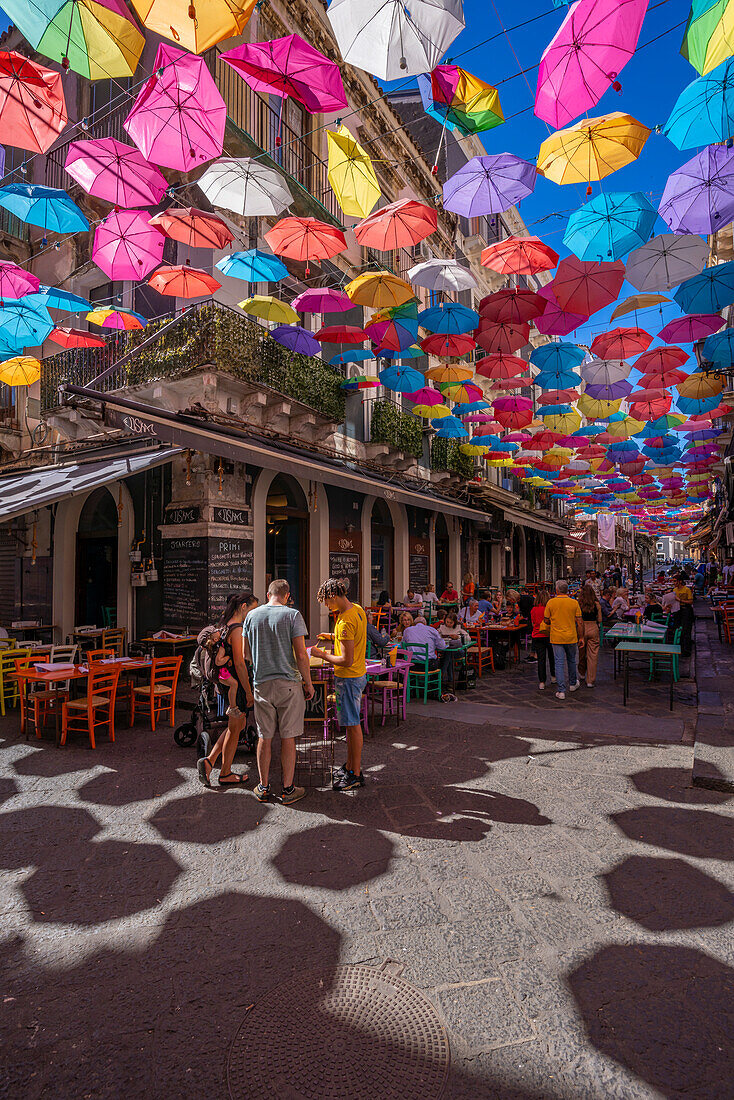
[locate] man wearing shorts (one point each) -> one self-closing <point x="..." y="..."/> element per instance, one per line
<point x="274" y="636"/>
<point x="348" y="659"/>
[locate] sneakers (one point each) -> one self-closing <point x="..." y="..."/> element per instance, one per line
<point x="541" y="687"/>
<point x="339" y="772"/>
<point x="589" y="685"/>
<point x="293" y="795"/>
<point x="560" y="695"/>
<point x="348" y="781"/>
<point x="262" y="794"/>
<point x="576" y="686"/>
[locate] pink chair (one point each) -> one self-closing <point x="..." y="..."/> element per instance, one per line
<point x="393" y="691"/>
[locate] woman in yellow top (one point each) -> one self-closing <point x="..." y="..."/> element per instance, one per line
<point x="684" y="617"/>
<point x="348" y="659"/>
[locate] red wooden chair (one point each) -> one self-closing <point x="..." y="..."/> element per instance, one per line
<point x="160" y="694"/>
<point x="94" y="710"/>
<point x="478" y="655"/>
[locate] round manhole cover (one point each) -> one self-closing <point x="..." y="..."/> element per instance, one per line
<point x="344" y="1031"/>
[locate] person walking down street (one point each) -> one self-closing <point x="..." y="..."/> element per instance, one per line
<point x="563" y="619"/>
<point x="684" y="596"/>
<point x="350" y="671"/>
<point x="275" y="637"/>
<point x="541" y="641"/>
<point x="230" y="655"/>
<point x="589" y="634"/>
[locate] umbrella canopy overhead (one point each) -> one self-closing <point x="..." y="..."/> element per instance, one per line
<point x="290" y="68"/>
<point x="699" y="196"/>
<point x="321" y="300"/>
<point x="245" y="186"/>
<point x="351" y="174"/>
<point x="392" y="40"/>
<point x="399" y="225"/>
<point x="519" y="256"/>
<point x="637" y="302"/>
<point x="513" y="306"/>
<point x="47" y="207"/>
<point x="21" y="370"/>
<point x="178" y="117"/>
<point x="555" y="321"/>
<point x="32" y="104"/>
<point x="561" y="357"/>
<point x="305" y="239"/>
<point x="401" y="379"/>
<point x="119" y="173"/>
<point x="252" y="266"/>
<point x="489" y="185"/>
<point x="605" y="372"/>
<point x="75" y="338"/>
<point x="24" y="325"/>
<point x="195" y="26"/>
<point x="58" y="299"/>
<point x="494" y="336"/>
<point x="183" y="282"/>
<point x="449" y="318"/>
<point x="95" y="38"/>
<point x="665" y="261"/>
<point x="447" y="347"/>
<point x="684" y="330"/>
<point x="379" y="289"/>
<point x="438" y="275"/>
<point x="621" y="342"/>
<point x="709" y="35"/>
<point x="269" y="309"/>
<point x="585" y="287"/>
<point x="591" y="47"/>
<point x="122" y="320"/>
<point x="15" y="281"/>
<point x="708" y="292"/>
<point x="704" y="111"/>
<point x="194" y="228"/>
<point x="592" y="149"/>
<point x="126" y="246"/>
<point x="468" y="103"/>
<point x="610" y="225"/>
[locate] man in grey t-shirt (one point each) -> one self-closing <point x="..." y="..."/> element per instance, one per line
<point x="274" y="639"/>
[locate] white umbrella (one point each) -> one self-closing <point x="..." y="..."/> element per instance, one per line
<point x="442" y="275"/>
<point x="604" y="372"/>
<point x="245" y="186"/>
<point x="391" y="39"/>
<point x="665" y="261"/>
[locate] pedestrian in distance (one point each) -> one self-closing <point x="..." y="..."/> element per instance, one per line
<point x="350" y="672"/>
<point x="275" y="640"/>
<point x="589" y="634"/>
<point x="541" y="640"/>
<point x="563" y="619"/>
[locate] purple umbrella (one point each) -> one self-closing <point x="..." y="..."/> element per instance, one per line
<point x="699" y="196"/>
<point x="296" y="338"/>
<point x="489" y="185"/>
<point x="684" y="330"/>
<point x="612" y="392"/>
<point x="556" y="321"/>
<point x="322" y="301"/>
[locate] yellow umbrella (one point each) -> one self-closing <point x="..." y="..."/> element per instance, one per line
<point x="458" y="392"/>
<point x="636" y="302"/>
<point x="594" y="408"/>
<point x="499" y="461"/>
<point x="537" y="482"/>
<point x="700" y="385"/>
<point x="592" y="148"/>
<point x="431" y="412"/>
<point x="472" y="449"/>
<point x="450" y="374"/>
<point x="269" y="309"/>
<point x="195" y="24"/>
<point x="351" y="174"/>
<point x="625" y="429"/>
<point x="379" y="289"/>
<point x="22" y="370"/>
<point x="563" y="422"/>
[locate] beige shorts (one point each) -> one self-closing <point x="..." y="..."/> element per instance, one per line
<point x="279" y="707"/>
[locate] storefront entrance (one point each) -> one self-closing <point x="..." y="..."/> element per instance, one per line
<point x="286" y="544"/>
<point x="383" y="539"/>
<point x="442" y="555"/>
<point x="96" y="561"/>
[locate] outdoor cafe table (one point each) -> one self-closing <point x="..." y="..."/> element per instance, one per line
<point x="652" y="649"/>
<point x="54" y="679"/>
<point x="172" y="643"/>
<point x="32" y="631"/>
<point x="514" y="634"/>
<point x="372" y="668"/>
<point x="634" y="632"/>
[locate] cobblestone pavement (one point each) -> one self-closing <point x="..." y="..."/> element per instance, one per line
<point x="545" y="872"/>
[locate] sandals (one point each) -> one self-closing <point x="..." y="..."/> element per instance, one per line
<point x="204" y="775"/>
<point x="232" y="779"/>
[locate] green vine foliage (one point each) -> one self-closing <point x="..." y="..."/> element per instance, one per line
<point x="445" y="455"/>
<point x="396" y="428"/>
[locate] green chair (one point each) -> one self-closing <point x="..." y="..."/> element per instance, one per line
<point x="9" y="688"/>
<point x="662" y="662"/>
<point x="109" y="616"/>
<point x="422" y="678"/>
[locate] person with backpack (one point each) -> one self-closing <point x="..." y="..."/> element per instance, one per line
<point x="230" y="655"/>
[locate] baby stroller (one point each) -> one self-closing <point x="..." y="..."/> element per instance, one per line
<point x="210" y="710"/>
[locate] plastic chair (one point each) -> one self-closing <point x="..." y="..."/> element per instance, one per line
<point x="421" y="674"/>
<point x="9" y="689"/>
<point x="94" y="710"/>
<point x="660" y="663"/>
<point x="160" y="693"/>
<point x="393" y="691"/>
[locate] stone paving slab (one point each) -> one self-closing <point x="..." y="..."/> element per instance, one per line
<point x="713" y="763"/>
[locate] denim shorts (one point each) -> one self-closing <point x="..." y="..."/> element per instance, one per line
<point x="349" y="691"/>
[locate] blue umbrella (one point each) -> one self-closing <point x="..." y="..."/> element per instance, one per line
<point x="450" y="427"/>
<point x="557" y="380"/>
<point x="53" y="298"/>
<point x="708" y="292"/>
<point x="610" y="225"/>
<point x="491" y="441"/>
<point x="471" y="407"/>
<point x="449" y="319"/>
<point x="590" y="429"/>
<point x="554" y="410"/>
<point x="691" y="406"/>
<point x="719" y="348"/>
<point x="413" y="352"/>
<point x="561" y="357"/>
<point x="24" y="325"/>
<point x="704" y="111"/>
<point x="402" y="379"/>
<point x="47" y="207"/>
<point x="359" y="355"/>
<point x="253" y="266"/>
<point x="296" y="338"/>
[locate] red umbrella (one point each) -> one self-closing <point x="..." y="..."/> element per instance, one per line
<point x="559" y="397"/>
<point x="518" y="383"/>
<point x="554" y="320"/>
<point x="621" y="342"/>
<point x="651" y="408"/>
<point x="399" y="225"/>
<point x="519" y="256"/>
<point x="195" y="228"/>
<point x="496" y="337"/>
<point x="582" y="286"/>
<point x="665" y="378"/>
<point x="513" y="418"/>
<point x="32" y="105"/>
<point x="305" y="239"/>
<point x="75" y="338"/>
<point x="659" y="360"/>
<point x="514" y="306"/>
<point x="447" y="347"/>
<point x="501" y="366"/>
<point x="341" y="334"/>
<point x="183" y="282"/>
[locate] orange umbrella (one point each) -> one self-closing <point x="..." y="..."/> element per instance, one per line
<point x="399" y="225"/>
<point x="195" y="228"/>
<point x="519" y="256"/>
<point x="305" y="239"/>
<point x="32" y="105"/>
<point x="183" y="282"/>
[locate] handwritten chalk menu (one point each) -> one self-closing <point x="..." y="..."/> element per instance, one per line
<point x="230" y="570"/>
<point x="418" y="564"/>
<point x="185" y="600"/>
<point x="346" y="565"/>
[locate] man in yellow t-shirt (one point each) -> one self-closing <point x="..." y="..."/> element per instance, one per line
<point x="562" y="617"/>
<point x="348" y="659"/>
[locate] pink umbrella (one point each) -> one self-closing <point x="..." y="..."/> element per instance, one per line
<point x="322" y="301"/>
<point x="16" y="281"/>
<point x="112" y="170"/>
<point x="556" y="321"/>
<point x="593" y="44"/>
<point x="126" y="246"/>
<point x="178" y="117"/>
<point x="684" y="330"/>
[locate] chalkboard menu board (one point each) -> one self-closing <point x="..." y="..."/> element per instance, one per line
<point x="230" y="570"/>
<point x="189" y="514"/>
<point x="346" y="565"/>
<point x="235" y="516"/>
<point x="418" y="571"/>
<point x="185" y="588"/>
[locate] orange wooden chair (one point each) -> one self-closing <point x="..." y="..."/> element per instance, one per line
<point x="478" y="655"/>
<point x="36" y="702"/>
<point x="91" y="656"/>
<point x="160" y="693"/>
<point x="96" y="709"/>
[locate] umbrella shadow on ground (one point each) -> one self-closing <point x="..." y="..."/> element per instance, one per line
<point x="165" y="1015"/>
<point x="336" y="857"/>
<point x="667" y="894"/>
<point x="665" y="1012"/>
<point x="674" y="785"/>
<point x="201" y="820"/>
<point x="120" y="788"/>
<point x="698" y="833"/>
<point x="74" y="879"/>
<point x="8" y="788"/>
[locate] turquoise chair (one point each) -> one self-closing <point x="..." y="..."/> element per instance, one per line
<point x="422" y="678"/>
<point x="662" y="662"/>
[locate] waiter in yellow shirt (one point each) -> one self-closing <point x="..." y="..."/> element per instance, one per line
<point x="562" y="618"/>
<point x="348" y="659"/>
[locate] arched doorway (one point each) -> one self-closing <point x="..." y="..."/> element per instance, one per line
<point x="383" y="541"/>
<point x="442" y="555"/>
<point x="96" y="560"/>
<point x="286" y="542"/>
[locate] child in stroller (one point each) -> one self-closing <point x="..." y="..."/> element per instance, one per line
<point x="214" y="690"/>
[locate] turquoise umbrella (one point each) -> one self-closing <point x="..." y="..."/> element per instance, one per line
<point x="704" y="111"/>
<point x="557" y="380"/>
<point x="450" y="427"/>
<point x="359" y="355"/>
<point x="449" y="319"/>
<point x="253" y="266"/>
<point x="53" y="298"/>
<point x="24" y="325"/>
<point x="46" y="207"/>
<point x="708" y="292"/>
<point x="402" y="379"/>
<point x="610" y="225"/>
<point x="558" y="358"/>
<point x="719" y="348"/>
<point x="471" y="407"/>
